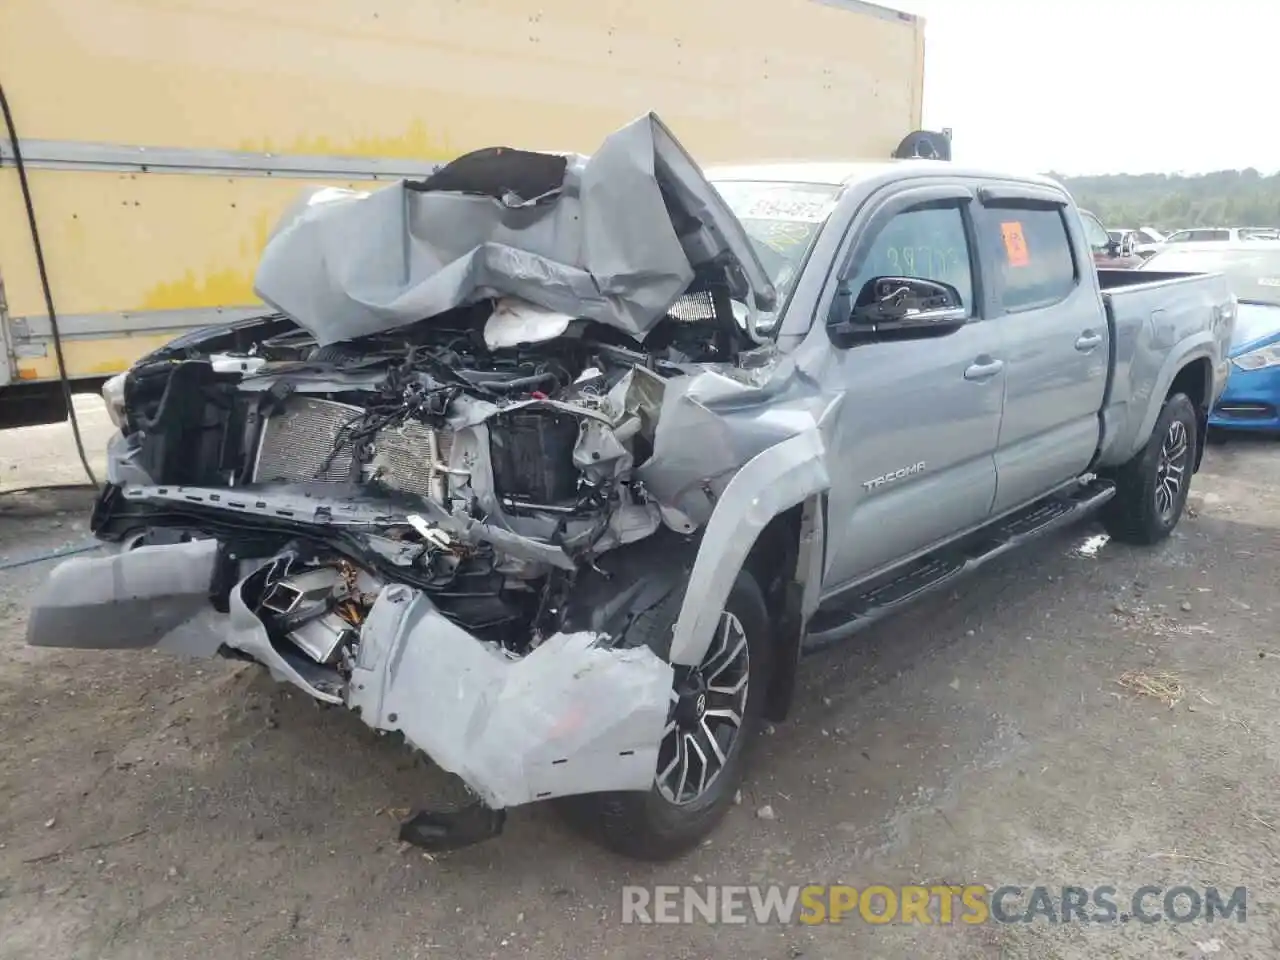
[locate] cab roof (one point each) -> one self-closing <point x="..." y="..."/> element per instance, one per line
<point x="843" y="173"/>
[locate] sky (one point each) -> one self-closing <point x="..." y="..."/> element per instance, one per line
<point x="1088" y="86"/>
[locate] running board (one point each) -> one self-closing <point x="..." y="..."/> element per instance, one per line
<point x="849" y="613"/>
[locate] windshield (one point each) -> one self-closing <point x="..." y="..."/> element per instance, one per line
<point x="1252" y="274"/>
<point x="782" y="220"/>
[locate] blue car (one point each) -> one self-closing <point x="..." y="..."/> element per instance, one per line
<point x="1251" y="400"/>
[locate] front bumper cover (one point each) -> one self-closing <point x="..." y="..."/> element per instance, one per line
<point x="1251" y="401"/>
<point x="573" y="716"/>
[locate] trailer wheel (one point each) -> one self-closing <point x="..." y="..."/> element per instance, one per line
<point x="716" y="712"/>
<point x="1151" y="489"/>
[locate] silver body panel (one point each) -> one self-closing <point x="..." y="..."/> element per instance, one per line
<point x="805" y="426"/>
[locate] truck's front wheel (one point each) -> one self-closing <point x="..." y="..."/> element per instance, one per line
<point x="1151" y="489"/>
<point x="716" y="711"/>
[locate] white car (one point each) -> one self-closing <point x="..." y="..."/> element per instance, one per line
<point x="1146" y="240"/>
<point x="1222" y="235"/>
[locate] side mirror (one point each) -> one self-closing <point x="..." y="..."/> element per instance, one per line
<point x="897" y="307"/>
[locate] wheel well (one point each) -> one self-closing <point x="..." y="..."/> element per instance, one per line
<point x="1195" y="380"/>
<point x="772" y="560"/>
<point x="777" y="564"/>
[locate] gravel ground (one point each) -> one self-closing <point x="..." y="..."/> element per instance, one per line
<point x="151" y="807"/>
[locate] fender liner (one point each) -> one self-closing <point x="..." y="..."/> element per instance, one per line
<point x="628" y="581"/>
<point x="774" y="480"/>
<point x="801" y="597"/>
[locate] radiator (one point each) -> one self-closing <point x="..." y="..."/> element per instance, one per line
<point x="298" y="440"/>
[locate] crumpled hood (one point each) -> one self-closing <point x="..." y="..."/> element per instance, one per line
<point x="613" y="238"/>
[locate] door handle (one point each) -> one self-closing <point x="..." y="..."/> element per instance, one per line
<point x="1088" y="340"/>
<point x="984" y="368"/>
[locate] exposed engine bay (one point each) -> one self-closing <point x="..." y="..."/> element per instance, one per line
<point x="486" y="477"/>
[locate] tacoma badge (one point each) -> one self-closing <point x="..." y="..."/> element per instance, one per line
<point x="893" y="475"/>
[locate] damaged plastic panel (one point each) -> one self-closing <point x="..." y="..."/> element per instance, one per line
<point x="572" y="717"/>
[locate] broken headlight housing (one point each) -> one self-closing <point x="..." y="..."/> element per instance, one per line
<point x="113" y="396"/>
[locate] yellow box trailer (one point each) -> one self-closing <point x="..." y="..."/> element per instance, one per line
<point x="162" y="138"/>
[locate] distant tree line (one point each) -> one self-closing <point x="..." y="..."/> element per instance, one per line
<point x="1228" y="198"/>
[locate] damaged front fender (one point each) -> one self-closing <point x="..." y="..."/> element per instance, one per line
<point x="772" y="482"/>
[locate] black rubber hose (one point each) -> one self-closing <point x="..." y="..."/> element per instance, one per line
<point x="12" y="133"/>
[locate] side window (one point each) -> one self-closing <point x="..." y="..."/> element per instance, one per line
<point x="1219" y="235"/>
<point x="929" y="243"/>
<point x="1094" y="232"/>
<point x="1033" y="250"/>
<point x="1182" y="236"/>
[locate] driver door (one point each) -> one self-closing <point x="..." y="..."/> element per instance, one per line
<point x="913" y="449"/>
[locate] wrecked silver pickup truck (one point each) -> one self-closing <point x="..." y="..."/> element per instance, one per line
<point x="550" y="463"/>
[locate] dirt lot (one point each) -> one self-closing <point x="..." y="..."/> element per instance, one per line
<point x="156" y="808"/>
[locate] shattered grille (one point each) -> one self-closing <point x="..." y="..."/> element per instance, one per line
<point x="298" y="440"/>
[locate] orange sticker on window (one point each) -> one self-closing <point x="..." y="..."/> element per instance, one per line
<point x="1015" y="244"/>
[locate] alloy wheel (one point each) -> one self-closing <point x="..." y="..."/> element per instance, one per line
<point x="1171" y="469"/>
<point x="705" y="721"/>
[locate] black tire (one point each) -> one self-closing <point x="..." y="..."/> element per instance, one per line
<point x="647" y="825"/>
<point x="1135" y="513"/>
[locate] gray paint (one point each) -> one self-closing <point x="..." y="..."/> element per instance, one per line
<point x="571" y="717"/>
<point x="773" y="481"/>
<point x="601" y="245"/>
<point x="1052" y="389"/>
<point x="126" y="601"/>
<point x="900" y="403"/>
<point x="790" y="424"/>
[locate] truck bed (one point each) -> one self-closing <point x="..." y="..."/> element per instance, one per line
<point x="1150" y="313"/>
<point x="1117" y="279"/>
